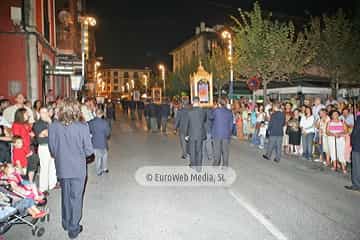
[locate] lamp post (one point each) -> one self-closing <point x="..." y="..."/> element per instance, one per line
<point x="226" y="35"/>
<point x="97" y="64"/>
<point x="162" y="71"/>
<point x="85" y="22"/>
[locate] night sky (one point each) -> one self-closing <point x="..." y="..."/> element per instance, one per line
<point x="132" y="33"/>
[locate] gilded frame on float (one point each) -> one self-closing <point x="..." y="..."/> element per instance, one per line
<point x="156" y="94"/>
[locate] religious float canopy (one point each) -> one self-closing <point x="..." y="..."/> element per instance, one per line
<point x="201" y="85"/>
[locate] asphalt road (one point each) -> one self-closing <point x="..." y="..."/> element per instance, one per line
<point x="290" y="200"/>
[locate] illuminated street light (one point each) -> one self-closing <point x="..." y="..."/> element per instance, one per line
<point x="226" y="35"/>
<point x="132" y="83"/>
<point x="85" y="22"/>
<point x="127" y="86"/>
<point x="162" y="70"/>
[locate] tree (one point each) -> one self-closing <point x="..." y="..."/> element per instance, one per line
<point x="179" y="81"/>
<point x="218" y="64"/>
<point x="269" y="49"/>
<point x="339" y="54"/>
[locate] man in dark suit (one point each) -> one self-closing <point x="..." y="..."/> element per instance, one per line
<point x="165" y="113"/>
<point x="207" y="151"/>
<point x="125" y="105"/>
<point x="276" y="133"/>
<point x="147" y="115"/>
<point x="132" y="105"/>
<point x="221" y="133"/>
<point x="196" y="133"/>
<point x="152" y="111"/>
<point x="140" y="109"/>
<point x="181" y="128"/>
<point x="70" y="144"/>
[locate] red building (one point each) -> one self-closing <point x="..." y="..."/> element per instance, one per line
<point x="28" y="45"/>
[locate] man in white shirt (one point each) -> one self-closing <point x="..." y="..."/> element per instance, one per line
<point x="317" y="107"/>
<point x="9" y="113"/>
<point x="87" y="110"/>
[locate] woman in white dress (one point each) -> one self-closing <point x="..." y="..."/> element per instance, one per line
<point x="336" y="131"/>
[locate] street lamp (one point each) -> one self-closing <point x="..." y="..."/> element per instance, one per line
<point x="85" y="21"/>
<point x="127" y="86"/>
<point x="162" y="70"/>
<point x="226" y="35"/>
<point x="132" y="83"/>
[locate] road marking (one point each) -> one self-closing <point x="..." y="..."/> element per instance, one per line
<point x="256" y="214"/>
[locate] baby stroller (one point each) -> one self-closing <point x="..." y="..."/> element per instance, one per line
<point x="10" y="214"/>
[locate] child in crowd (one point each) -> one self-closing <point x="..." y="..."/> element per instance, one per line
<point x="23" y="205"/>
<point x="19" y="185"/>
<point x="19" y="158"/>
<point x="262" y="134"/>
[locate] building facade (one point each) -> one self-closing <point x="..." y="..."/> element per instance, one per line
<point x="201" y="44"/>
<point x="40" y="47"/>
<point x="28" y="44"/>
<point x="117" y="81"/>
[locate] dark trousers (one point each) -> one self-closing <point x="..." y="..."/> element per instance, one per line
<point x="148" y="123"/>
<point x="195" y="149"/>
<point x="158" y="119"/>
<point x="275" y="143"/>
<point x="208" y="151"/>
<point x="132" y="113"/>
<point x="72" y="190"/>
<point x="221" y="152"/>
<point x="184" y="146"/>
<point x="355" y="170"/>
<point x="164" y="123"/>
<point x="140" y="114"/>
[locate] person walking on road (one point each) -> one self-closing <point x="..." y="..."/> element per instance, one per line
<point x="165" y="113"/>
<point x="355" y="170"/>
<point x="196" y="133"/>
<point x="100" y="131"/>
<point x="132" y="105"/>
<point x="181" y="127"/>
<point x="147" y="115"/>
<point x="221" y="133"/>
<point x="140" y="109"/>
<point x="70" y="144"/>
<point x="276" y="133"/>
<point x="153" y="116"/>
<point x="110" y="112"/>
<point x="207" y="150"/>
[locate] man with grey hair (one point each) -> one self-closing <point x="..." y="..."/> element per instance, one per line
<point x="70" y="144"/>
<point x="276" y="133"/>
<point x="181" y="128"/>
<point x="9" y="112"/>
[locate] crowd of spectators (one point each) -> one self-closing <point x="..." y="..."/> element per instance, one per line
<point x="316" y="130"/>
